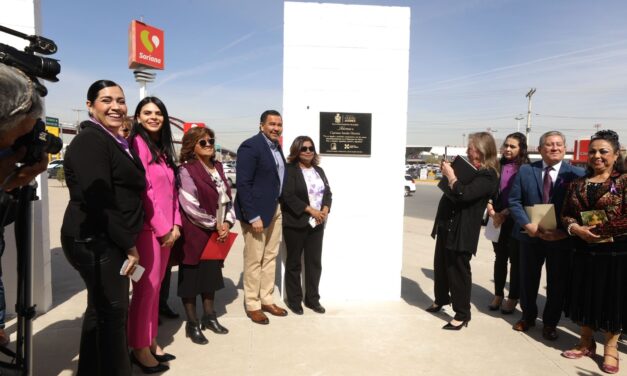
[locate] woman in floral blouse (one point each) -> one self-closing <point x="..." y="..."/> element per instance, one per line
<point x="306" y="202"/>
<point x="598" y="299"/>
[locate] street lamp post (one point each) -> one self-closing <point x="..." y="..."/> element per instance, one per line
<point x="518" y="119"/>
<point x="78" y="117"/>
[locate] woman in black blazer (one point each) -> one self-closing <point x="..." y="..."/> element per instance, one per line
<point x="457" y="226"/>
<point x="306" y="202"/>
<point x="103" y="217"/>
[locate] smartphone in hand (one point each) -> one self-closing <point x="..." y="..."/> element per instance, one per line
<point x="137" y="273"/>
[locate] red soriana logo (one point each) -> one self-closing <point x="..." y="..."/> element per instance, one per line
<point x="145" y="47"/>
<point x="188" y="126"/>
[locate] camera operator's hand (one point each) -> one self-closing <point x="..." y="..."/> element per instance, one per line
<point x="12" y="176"/>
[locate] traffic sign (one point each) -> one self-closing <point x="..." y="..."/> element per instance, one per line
<point x="52" y="121"/>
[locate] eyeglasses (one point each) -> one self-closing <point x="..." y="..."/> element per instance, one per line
<point x="203" y="143"/>
<point x="126" y="130"/>
<point x="304" y="149"/>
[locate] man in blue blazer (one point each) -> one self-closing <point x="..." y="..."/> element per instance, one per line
<point x="260" y="175"/>
<point x="532" y="186"/>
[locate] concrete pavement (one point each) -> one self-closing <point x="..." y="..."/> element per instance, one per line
<point x="352" y="338"/>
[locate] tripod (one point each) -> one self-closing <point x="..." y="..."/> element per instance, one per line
<point x="22" y="363"/>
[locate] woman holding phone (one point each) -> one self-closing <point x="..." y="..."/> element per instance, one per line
<point x="100" y="227"/>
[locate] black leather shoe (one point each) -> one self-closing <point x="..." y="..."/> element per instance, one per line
<point x="549" y="333"/>
<point x="163" y="358"/>
<point x="211" y="322"/>
<point x="148" y="369"/>
<point x="166" y="311"/>
<point x="433" y="308"/>
<point x="193" y="332"/>
<point x="450" y="326"/>
<point x="296" y="308"/>
<point x="316" y="308"/>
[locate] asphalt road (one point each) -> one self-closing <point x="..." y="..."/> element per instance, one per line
<point x="424" y="202"/>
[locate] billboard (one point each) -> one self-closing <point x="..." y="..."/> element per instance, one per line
<point x="188" y="126"/>
<point x="580" y="155"/>
<point x="145" y="46"/>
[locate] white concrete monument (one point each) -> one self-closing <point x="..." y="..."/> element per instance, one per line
<point x="24" y="16"/>
<point x="346" y="66"/>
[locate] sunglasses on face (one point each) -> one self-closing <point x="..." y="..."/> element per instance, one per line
<point x="126" y="130"/>
<point x="204" y="143"/>
<point x="304" y="149"/>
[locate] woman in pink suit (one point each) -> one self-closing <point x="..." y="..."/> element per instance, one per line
<point x="151" y="138"/>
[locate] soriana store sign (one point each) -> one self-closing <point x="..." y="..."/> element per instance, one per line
<point x="145" y="47"/>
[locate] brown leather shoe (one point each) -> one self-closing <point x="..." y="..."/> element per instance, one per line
<point x="523" y="325"/>
<point x="4" y="338"/>
<point x="549" y="333"/>
<point x="258" y="317"/>
<point x="273" y="309"/>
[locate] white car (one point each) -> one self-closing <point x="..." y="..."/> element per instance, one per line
<point x="231" y="178"/>
<point x="410" y="186"/>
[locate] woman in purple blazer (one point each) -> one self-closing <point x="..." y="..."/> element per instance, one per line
<point x="206" y="207"/>
<point x="151" y="139"/>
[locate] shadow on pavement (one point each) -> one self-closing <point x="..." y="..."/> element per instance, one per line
<point x="60" y="342"/>
<point x="66" y="282"/>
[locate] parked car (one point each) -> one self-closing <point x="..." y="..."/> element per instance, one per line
<point x="231" y="178"/>
<point x="228" y="166"/>
<point x="53" y="170"/>
<point x="410" y="185"/>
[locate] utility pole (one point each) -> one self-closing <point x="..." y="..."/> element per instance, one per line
<point x="518" y="119"/>
<point x="78" y="117"/>
<point x="529" y="95"/>
<point x="463" y="139"/>
<point x="597" y="126"/>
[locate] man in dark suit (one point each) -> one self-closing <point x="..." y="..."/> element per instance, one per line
<point x="260" y="175"/>
<point x="541" y="182"/>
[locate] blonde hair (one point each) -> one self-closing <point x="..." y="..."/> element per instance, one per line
<point x="485" y="145"/>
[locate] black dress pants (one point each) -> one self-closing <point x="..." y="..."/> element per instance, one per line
<point x="558" y="263"/>
<point x="103" y="349"/>
<point x="297" y="241"/>
<point x="506" y="249"/>
<point x="452" y="275"/>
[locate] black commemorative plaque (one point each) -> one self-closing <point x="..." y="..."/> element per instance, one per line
<point x="343" y="133"/>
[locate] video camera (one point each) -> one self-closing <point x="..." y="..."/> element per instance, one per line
<point x="38" y="140"/>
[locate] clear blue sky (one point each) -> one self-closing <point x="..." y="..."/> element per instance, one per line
<point x="471" y="63"/>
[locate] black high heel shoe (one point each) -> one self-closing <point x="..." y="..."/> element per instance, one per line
<point x="163" y="358"/>
<point x="149" y="369"/>
<point x="193" y="332"/>
<point x="450" y="326"/>
<point x="433" y="308"/>
<point x="211" y="322"/>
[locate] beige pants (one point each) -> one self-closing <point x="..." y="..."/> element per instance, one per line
<point x="260" y="251"/>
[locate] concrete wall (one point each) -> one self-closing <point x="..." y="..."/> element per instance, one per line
<point x="353" y="58"/>
<point x="24" y="16"/>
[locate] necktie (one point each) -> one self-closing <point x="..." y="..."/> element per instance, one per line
<point x="547" y="185"/>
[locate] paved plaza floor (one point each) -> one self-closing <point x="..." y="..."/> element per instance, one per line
<point x="353" y="338"/>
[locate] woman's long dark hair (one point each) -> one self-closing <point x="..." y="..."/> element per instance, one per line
<point x="523" y="154"/>
<point x="164" y="145"/>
